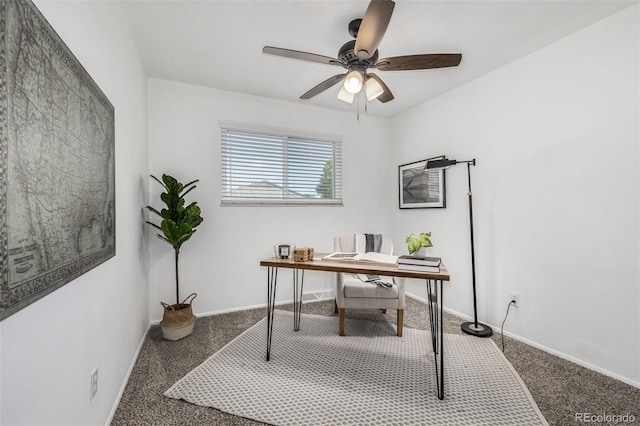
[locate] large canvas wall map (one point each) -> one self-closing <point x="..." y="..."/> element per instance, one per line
<point x="57" y="166"/>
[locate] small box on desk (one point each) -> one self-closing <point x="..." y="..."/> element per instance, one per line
<point x="303" y="254"/>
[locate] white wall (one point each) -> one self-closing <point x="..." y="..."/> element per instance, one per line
<point x="556" y="188"/>
<point x="564" y="119"/>
<point x="49" y="349"/>
<point x="220" y="262"/>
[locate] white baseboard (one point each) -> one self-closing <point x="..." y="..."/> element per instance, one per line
<point x="567" y="357"/>
<point x="306" y="298"/>
<point x="543" y="347"/>
<point x="222" y="311"/>
<point x="316" y="296"/>
<point x="127" y="376"/>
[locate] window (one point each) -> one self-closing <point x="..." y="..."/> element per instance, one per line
<point x="270" y="167"/>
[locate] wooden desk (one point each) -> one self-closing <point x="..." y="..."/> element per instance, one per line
<point x="434" y="290"/>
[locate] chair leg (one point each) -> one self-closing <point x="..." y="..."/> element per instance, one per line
<point x="335" y="306"/>
<point x="341" y="321"/>
<point x="400" y="321"/>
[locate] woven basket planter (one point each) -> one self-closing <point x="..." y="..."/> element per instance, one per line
<point x="178" y="319"/>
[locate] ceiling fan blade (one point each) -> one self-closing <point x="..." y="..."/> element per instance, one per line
<point x="386" y="95"/>
<point x="323" y="86"/>
<point x="419" y="62"/>
<point x="303" y="56"/>
<point x="372" y="28"/>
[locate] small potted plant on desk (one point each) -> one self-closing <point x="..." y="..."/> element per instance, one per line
<point x="417" y="245"/>
<point x="177" y="226"/>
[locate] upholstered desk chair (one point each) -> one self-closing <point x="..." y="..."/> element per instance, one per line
<point x="352" y="293"/>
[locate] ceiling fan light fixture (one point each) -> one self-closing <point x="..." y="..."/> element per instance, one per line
<point x="345" y="96"/>
<point x="353" y="82"/>
<point x="373" y="89"/>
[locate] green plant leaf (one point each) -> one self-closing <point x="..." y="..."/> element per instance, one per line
<point x="172" y="184"/>
<point x="176" y="233"/>
<point x="425" y="239"/>
<point x="414" y="245"/>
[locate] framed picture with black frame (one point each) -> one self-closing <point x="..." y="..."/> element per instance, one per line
<point x="420" y="188"/>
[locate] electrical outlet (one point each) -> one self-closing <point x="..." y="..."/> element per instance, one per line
<point x="515" y="297"/>
<point x="93" y="390"/>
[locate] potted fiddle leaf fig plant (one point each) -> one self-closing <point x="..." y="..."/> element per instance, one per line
<point x="417" y="244"/>
<point x="178" y="224"/>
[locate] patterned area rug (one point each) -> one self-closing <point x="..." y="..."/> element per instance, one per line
<point x="370" y="376"/>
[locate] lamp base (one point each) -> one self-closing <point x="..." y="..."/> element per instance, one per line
<point x="481" y="330"/>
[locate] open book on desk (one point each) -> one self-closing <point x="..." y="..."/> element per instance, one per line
<point x="370" y="257"/>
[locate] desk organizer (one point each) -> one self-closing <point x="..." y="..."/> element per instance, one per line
<point x="303" y="254"/>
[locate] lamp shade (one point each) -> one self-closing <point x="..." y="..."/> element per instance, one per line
<point x="345" y="96"/>
<point x="373" y="89"/>
<point x="353" y="82"/>
<point x="441" y="163"/>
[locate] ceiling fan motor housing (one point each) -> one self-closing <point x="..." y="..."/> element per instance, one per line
<point x="354" y="27"/>
<point x="348" y="57"/>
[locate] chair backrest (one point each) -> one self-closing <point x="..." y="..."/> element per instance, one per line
<point x="356" y="243"/>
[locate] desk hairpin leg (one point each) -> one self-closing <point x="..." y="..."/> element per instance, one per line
<point x="272" y="280"/>
<point x="298" y="283"/>
<point x="432" y="299"/>
<point x="434" y="295"/>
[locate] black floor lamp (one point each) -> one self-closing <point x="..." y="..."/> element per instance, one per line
<point x="474" y="328"/>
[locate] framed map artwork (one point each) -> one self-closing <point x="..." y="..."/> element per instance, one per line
<point x="57" y="165"/>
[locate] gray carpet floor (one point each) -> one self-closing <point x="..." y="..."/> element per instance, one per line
<point x="560" y="388"/>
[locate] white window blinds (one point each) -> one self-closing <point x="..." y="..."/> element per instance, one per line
<point x="267" y="168"/>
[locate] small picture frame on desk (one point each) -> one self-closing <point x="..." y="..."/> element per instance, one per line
<point x="284" y="251"/>
<point x="420" y="188"/>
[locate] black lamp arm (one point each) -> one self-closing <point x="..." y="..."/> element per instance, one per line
<point x="443" y="163"/>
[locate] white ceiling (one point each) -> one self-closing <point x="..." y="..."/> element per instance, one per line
<point x="218" y="44"/>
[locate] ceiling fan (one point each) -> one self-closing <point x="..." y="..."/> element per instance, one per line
<point x="361" y="54"/>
